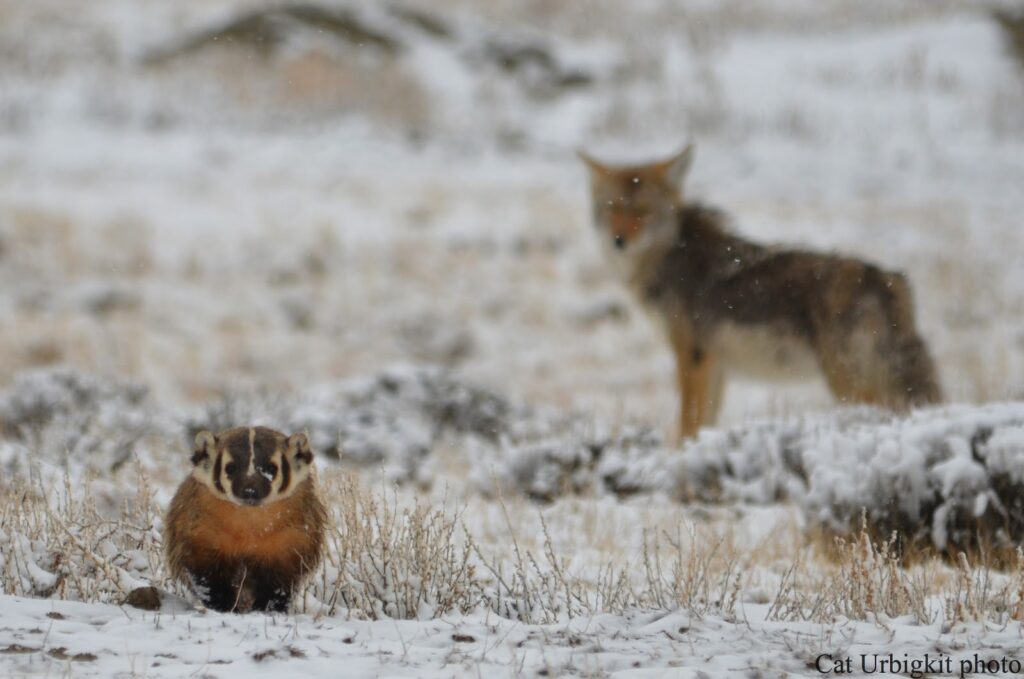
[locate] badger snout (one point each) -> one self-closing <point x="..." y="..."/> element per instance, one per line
<point x="253" y="491"/>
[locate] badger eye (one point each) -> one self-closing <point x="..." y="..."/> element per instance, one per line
<point x="271" y="469"/>
<point x="230" y="468"/>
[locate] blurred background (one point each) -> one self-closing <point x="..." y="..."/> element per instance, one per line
<point x="209" y="194"/>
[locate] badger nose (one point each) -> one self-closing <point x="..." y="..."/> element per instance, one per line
<point x="248" y="493"/>
<point x="620" y="242"/>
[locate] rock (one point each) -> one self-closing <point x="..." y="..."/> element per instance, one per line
<point x="146" y="598"/>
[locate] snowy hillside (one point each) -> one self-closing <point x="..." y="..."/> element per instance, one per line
<point x="366" y="221"/>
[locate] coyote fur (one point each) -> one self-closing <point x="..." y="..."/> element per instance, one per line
<point x="728" y="304"/>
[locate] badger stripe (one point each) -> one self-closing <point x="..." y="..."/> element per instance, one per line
<point x="252" y="452"/>
<point x="216" y="471"/>
<point x="286" y="474"/>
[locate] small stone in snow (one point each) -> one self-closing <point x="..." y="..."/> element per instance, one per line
<point x="146" y="598"/>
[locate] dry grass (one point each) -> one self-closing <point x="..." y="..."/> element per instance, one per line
<point x="385" y="558"/>
<point x="864" y="581"/>
<point x="867" y="579"/>
<point x="59" y="544"/>
<point x="390" y="557"/>
<point x="384" y="561"/>
<point x="678" y="566"/>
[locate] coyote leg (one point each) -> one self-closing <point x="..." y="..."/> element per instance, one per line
<point x="853" y="377"/>
<point x="702" y="392"/>
<point x="699" y="381"/>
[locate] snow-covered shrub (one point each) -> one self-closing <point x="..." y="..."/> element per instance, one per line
<point x="950" y="478"/>
<point x="566" y="455"/>
<point x="399" y="419"/>
<point x="59" y="544"/>
<point x="77" y="419"/>
<point x="39" y="397"/>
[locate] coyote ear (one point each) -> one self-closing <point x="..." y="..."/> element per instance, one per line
<point x="203" y="448"/>
<point x="299" y="449"/>
<point x="676" y="167"/>
<point x="592" y="163"/>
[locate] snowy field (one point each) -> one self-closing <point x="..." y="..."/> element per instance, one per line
<point x="379" y="234"/>
<point x="105" y="641"/>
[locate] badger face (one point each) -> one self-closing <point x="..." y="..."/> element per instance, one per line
<point x="251" y="466"/>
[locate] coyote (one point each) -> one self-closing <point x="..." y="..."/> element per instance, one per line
<point x="727" y="304"/>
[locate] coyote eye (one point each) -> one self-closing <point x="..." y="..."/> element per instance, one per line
<point x="230" y="468"/>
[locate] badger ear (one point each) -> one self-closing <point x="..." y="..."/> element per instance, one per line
<point x="299" y="449"/>
<point x="203" y="447"/>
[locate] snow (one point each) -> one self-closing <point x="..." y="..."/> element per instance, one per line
<point x="43" y="637"/>
<point x="396" y="258"/>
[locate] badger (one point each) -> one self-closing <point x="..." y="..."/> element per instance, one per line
<point x="246" y="527"/>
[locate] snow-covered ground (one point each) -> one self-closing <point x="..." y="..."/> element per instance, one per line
<point x="63" y="638"/>
<point x="265" y="230"/>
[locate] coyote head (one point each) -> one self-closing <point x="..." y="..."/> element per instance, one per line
<point x="634" y="203"/>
